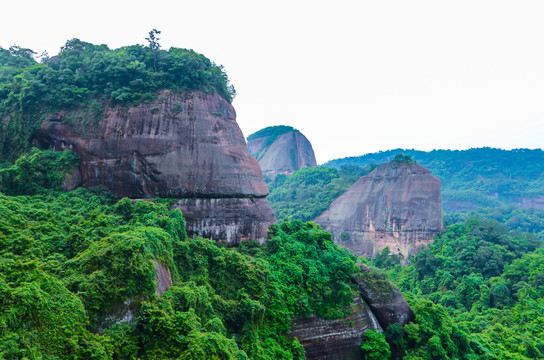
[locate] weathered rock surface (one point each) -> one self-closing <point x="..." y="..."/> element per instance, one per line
<point x="383" y="298"/>
<point x="180" y="146"/>
<point x="286" y="154"/>
<point x="229" y="220"/>
<point x="335" y="339"/>
<point x="397" y="205"/>
<point x="377" y="305"/>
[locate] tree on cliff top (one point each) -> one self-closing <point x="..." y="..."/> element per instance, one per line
<point x="403" y="159"/>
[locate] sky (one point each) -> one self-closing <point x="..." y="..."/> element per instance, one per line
<point x="353" y="76"/>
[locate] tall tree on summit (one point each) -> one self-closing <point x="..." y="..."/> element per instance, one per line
<point x="154" y="45"/>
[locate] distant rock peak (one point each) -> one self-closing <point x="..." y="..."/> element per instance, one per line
<point x="397" y="205"/>
<point x="281" y="150"/>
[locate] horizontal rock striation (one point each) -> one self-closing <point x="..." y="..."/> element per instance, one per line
<point x="182" y="145"/>
<point x="288" y="153"/>
<point x="377" y="305"/>
<point x="397" y="205"/>
<point x="335" y="339"/>
<point x="229" y="220"/>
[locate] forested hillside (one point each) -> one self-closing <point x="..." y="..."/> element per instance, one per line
<point x="310" y="191"/>
<point x="76" y="267"/>
<point x="485" y="280"/>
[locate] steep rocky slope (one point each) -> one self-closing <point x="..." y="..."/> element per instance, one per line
<point x="185" y="146"/>
<point x="397" y="205"/>
<point x="281" y="150"/>
<point x="377" y="305"/>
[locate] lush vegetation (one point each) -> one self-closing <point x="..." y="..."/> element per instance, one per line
<point x="478" y="290"/>
<point x="37" y="171"/>
<point x="78" y="280"/>
<point x="84" y="77"/>
<point x="476" y="178"/>
<point x="310" y="191"/>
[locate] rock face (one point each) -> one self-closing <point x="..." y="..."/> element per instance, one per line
<point x="335" y="339"/>
<point x="377" y="305"/>
<point x="185" y="146"/>
<point x="282" y="154"/>
<point x="397" y="205"/>
<point x="383" y="298"/>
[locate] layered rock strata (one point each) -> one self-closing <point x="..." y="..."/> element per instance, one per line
<point x="397" y="205"/>
<point x="335" y="339"/>
<point x="185" y="146"/>
<point x="288" y="153"/>
<point x="377" y="305"/>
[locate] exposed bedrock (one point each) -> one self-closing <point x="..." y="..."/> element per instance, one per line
<point x="288" y="153"/>
<point x="397" y="205"/>
<point x="377" y="305"/>
<point x="335" y="339"/>
<point x="229" y="220"/>
<point x="185" y="146"/>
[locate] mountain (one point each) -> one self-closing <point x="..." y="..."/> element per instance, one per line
<point x="398" y="205"/>
<point x="281" y="150"/>
<point x="475" y="178"/>
<point x="186" y="146"/>
<point x="144" y="123"/>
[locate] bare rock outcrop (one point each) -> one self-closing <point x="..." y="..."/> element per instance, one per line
<point x="185" y="146"/>
<point x="281" y="150"/>
<point x="377" y="305"/>
<point x="397" y="205"/>
<point x="383" y="298"/>
<point x="335" y="339"/>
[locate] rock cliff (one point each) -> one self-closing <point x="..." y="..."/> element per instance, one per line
<point x="186" y="146"/>
<point x="377" y="305"/>
<point x="397" y="205"/>
<point x="281" y="150"/>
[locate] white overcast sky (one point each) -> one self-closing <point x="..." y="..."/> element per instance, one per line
<point x="354" y="76"/>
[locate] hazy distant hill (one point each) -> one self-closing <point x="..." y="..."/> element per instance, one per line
<point x="475" y="178"/>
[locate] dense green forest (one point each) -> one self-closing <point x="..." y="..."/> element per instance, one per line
<point x="478" y="278"/>
<point x="77" y="280"/>
<point x="72" y="262"/>
<point x="84" y="77"/>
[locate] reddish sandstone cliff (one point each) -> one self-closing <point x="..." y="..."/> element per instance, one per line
<point x="397" y="205"/>
<point x="185" y="146"/>
<point x="288" y="153"/>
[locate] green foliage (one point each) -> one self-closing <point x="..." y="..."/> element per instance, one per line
<point x="403" y="159"/>
<point x="78" y="280"/>
<point x="310" y="191"/>
<point x="374" y="346"/>
<point x="83" y="77"/>
<point x="477" y="292"/>
<point x="37" y="171"/>
<point x="272" y="132"/>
